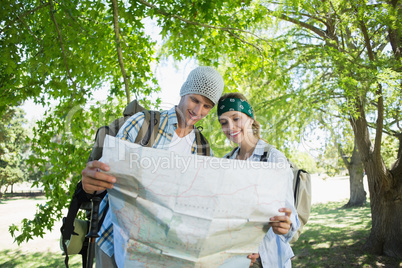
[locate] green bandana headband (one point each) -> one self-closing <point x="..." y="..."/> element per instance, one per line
<point x="235" y="104"/>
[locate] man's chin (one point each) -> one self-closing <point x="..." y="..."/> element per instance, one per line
<point x="192" y="122"/>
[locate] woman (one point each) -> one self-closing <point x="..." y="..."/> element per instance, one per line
<point x="239" y="125"/>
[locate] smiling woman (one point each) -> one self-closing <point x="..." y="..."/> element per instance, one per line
<point x="240" y="126"/>
<point x="236" y="117"/>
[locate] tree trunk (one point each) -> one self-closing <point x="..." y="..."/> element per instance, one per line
<point x="357" y="192"/>
<point x="385" y="189"/>
<point x="355" y="168"/>
<point x="386" y="214"/>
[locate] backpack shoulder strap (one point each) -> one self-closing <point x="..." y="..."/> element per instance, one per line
<point x="267" y="150"/>
<point x="296" y="188"/>
<point x="144" y="128"/>
<point x="229" y="155"/>
<point x="132" y="108"/>
<point x="203" y="147"/>
<point x="153" y="128"/>
<point x="149" y="129"/>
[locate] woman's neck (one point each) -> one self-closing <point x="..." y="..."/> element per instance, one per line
<point x="246" y="148"/>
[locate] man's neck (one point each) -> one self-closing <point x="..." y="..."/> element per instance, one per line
<point x="182" y="132"/>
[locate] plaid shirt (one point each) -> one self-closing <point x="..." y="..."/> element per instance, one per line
<point x="129" y="132"/>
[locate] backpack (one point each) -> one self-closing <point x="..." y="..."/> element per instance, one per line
<point x="146" y="137"/>
<point x="301" y="190"/>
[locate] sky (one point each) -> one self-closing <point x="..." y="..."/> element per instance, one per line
<point x="171" y="75"/>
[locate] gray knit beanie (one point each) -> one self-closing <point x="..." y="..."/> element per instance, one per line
<point x="205" y="81"/>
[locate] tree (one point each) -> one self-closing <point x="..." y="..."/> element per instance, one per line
<point x="346" y="147"/>
<point x="12" y="147"/>
<point x="65" y="51"/>
<point x="337" y="53"/>
<point x="312" y="56"/>
<point x="306" y="56"/>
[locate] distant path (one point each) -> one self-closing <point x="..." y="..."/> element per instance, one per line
<point x="13" y="211"/>
<point x="332" y="189"/>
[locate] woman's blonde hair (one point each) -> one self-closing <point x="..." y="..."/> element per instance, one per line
<point x="237" y="95"/>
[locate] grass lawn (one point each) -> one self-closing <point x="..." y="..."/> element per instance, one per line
<point x="333" y="237"/>
<point x="36" y="260"/>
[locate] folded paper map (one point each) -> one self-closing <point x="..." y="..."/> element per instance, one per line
<point x="170" y="210"/>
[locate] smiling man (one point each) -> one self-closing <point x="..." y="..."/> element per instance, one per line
<point x="199" y="94"/>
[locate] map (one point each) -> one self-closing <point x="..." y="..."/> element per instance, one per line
<point x="170" y="210"/>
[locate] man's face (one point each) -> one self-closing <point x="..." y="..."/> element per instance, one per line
<point x="192" y="108"/>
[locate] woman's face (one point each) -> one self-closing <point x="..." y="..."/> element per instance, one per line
<point x="236" y="126"/>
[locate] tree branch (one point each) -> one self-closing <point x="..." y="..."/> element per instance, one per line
<point x="26" y="13"/>
<point x="316" y="30"/>
<point x="312" y="17"/>
<point x="250" y="44"/>
<point x="62" y="48"/>
<point x="29" y="30"/>
<point x="35" y="9"/>
<point x="118" y="47"/>
<point x="226" y="29"/>
<point x="367" y="41"/>
<point x="380" y="122"/>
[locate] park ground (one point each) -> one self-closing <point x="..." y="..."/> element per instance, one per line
<point x="333" y="237"/>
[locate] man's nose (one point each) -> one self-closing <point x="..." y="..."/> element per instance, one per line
<point x="199" y="110"/>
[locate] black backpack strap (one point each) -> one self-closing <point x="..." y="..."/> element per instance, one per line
<point x="97" y="148"/>
<point x="79" y="197"/>
<point x="267" y="150"/>
<point x="298" y="182"/>
<point x="67" y="229"/>
<point x="229" y="155"/>
<point x="264" y="157"/>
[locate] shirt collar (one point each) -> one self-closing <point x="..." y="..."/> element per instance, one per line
<point x="259" y="148"/>
<point x="172" y="117"/>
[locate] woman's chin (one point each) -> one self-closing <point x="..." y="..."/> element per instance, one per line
<point x="236" y="140"/>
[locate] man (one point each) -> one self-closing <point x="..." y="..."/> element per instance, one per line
<point x="199" y="94"/>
